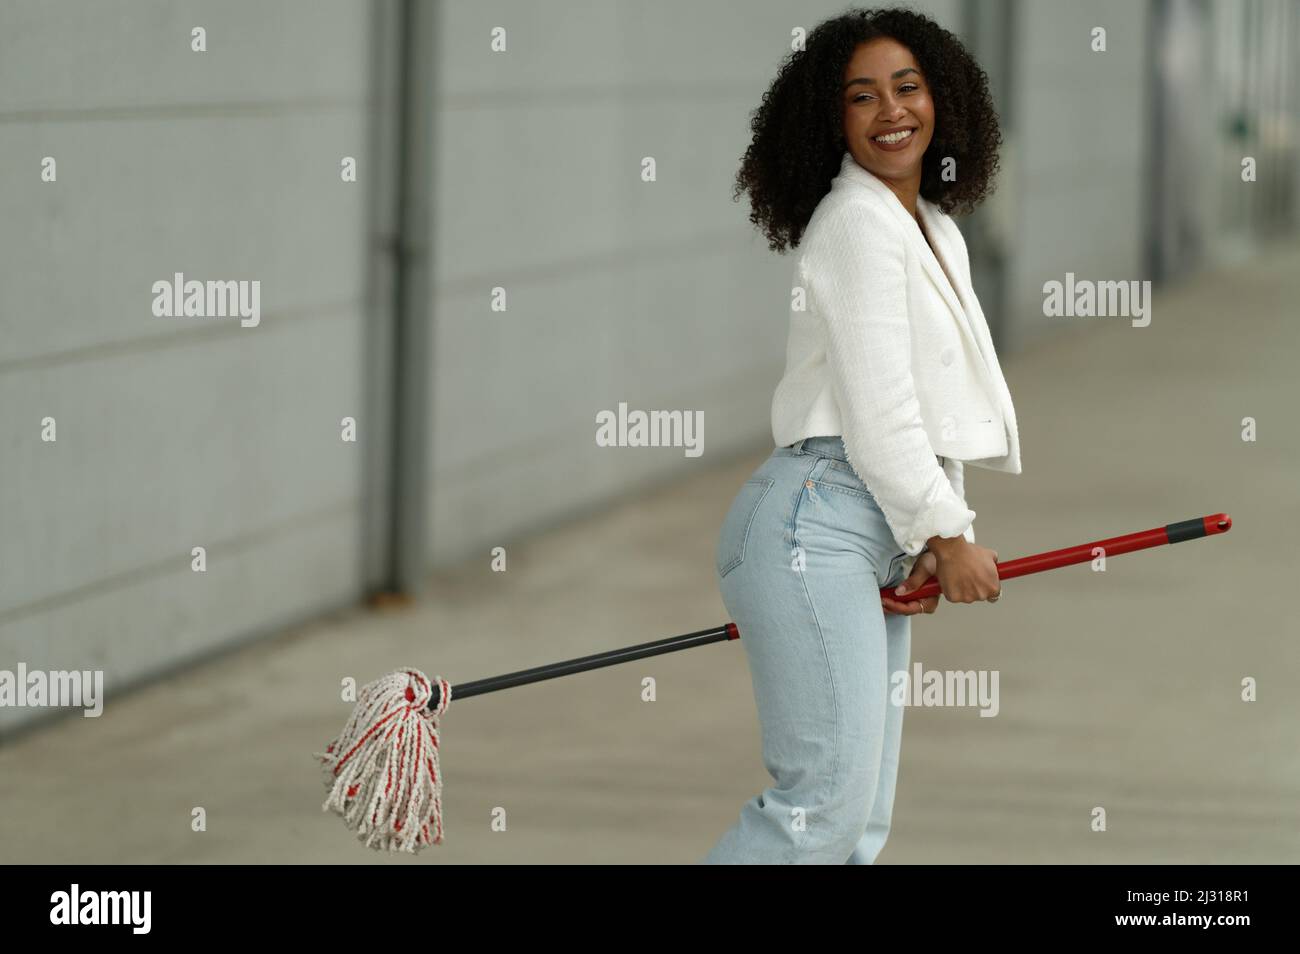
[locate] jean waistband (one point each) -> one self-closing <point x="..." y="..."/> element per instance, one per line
<point x="832" y="447"/>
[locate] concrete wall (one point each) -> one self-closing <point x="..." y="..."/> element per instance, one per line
<point x="176" y="433"/>
<point x="1073" y="170"/>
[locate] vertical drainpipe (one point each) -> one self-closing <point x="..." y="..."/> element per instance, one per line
<point x="988" y="29"/>
<point x="1155" y="200"/>
<point x="396" y="350"/>
<point x="413" y="339"/>
<point x="375" y="434"/>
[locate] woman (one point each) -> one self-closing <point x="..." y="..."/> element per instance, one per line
<point x="864" y="144"/>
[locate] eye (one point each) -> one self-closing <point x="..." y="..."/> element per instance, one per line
<point x="908" y="87"/>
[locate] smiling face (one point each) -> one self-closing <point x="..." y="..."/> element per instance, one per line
<point x="885" y="94"/>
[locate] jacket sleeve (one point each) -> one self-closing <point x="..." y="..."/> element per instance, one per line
<point x="956" y="472"/>
<point x="854" y="271"/>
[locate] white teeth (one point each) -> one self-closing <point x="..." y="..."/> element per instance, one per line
<point x="894" y="137"/>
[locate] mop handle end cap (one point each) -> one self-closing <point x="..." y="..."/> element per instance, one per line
<point x="1218" y="523"/>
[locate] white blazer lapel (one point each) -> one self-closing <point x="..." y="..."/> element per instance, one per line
<point x="920" y="246"/>
<point x="939" y="227"/>
<point x="967" y="309"/>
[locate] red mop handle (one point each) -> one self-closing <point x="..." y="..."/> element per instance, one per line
<point x="1084" y="552"/>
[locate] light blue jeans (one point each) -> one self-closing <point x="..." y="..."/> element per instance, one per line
<point x="801" y="557"/>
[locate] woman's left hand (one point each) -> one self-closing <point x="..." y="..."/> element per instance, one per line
<point x="922" y="570"/>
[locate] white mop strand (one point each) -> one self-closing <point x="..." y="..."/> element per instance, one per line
<point x="382" y="771"/>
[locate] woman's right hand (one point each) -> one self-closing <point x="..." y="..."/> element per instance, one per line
<point x="967" y="572"/>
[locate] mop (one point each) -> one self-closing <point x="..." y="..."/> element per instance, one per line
<point x="382" y="771"/>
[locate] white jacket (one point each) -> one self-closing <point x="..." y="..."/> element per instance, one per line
<point x="887" y="352"/>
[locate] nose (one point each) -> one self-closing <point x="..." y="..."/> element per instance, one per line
<point x="890" y="108"/>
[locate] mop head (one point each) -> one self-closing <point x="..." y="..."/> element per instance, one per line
<point x="382" y="771"/>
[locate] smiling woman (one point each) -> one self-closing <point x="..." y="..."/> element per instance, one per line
<point x="894" y="114"/>
<point x="866" y="142"/>
<point x="888" y="121"/>
<point x="799" y="137"/>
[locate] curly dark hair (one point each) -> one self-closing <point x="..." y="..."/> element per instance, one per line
<point x="798" y="139"/>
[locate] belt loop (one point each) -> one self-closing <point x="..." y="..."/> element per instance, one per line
<point x="798" y="445"/>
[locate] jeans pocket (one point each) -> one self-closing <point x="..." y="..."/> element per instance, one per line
<point x="837" y="474"/>
<point x="735" y="526"/>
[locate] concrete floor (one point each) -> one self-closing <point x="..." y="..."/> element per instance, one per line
<point x="1118" y="689"/>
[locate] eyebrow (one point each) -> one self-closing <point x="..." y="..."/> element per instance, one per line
<point x="868" y="81"/>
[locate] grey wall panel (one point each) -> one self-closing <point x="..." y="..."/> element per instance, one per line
<point x="84" y="55"/>
<point x="179" y="432"/>
<point x="147" y="624"/>
<point x="244" y="198"/>
<point x="163" y="450"/>
<point x="1075" y="178"/>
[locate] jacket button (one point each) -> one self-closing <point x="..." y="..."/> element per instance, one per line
<point x="946" y="356"/>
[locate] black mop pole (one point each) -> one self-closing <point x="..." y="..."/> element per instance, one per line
<point x="596" y="661"/>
